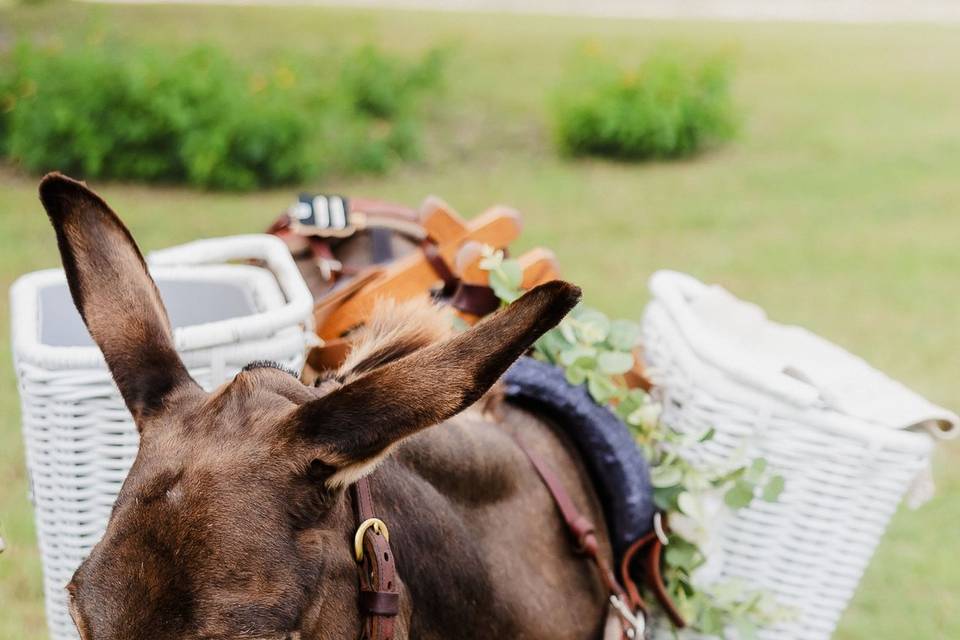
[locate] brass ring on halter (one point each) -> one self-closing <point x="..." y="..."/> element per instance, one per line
<point x="378" y="525"/>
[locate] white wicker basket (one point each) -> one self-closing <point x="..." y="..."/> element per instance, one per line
<point x="848" y="440"/>
<point x="80" y="439"/>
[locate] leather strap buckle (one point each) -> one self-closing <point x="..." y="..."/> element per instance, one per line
<point x="378" y="525"/>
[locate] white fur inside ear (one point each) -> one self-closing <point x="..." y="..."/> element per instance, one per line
<point x="346" y="476"/>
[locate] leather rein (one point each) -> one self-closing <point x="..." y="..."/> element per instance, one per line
<point x="379" y="601"/>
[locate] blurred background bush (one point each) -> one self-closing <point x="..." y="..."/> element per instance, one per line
<point x="123" y="112"/>
<point x="668" y="107"/>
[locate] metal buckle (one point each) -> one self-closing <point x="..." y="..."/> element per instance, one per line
<point x="637" y="622"/>
<point x="378" y="525"/>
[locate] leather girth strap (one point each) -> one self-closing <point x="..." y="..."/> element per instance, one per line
<point x="440" y="267"/>
<point x="581" y="528"/>
<point x="649" y="548"/>
<point x="379" y="588"/>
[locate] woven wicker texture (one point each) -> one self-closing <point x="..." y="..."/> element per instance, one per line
<point x="80" y="439"/>
<point x="845" y="474"/>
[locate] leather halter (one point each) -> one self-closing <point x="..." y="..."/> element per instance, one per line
<point x="379" y="588"/>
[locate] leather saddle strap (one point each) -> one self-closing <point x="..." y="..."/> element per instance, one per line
<point x="582" y="529"/>
<point x="379" y="588"/>
<point x="651" y="546"/>
<point x="440" y="267"/>
<point x="375" y="214"/>
<point x="475" y="299"/>
<point x="380" y="208"/>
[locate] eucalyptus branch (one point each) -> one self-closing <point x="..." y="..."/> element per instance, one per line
<point x="595" y="351"/>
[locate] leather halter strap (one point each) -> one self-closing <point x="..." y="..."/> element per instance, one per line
<point x="379" y="588"/>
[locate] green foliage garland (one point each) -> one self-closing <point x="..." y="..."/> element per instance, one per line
<point x="596" y="351"/>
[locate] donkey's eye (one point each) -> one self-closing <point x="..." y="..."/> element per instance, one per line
<point x="270" y="364"/>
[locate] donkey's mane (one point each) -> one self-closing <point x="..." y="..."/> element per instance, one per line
<point x="395" y="329"/>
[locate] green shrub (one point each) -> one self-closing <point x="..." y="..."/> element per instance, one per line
<point x="190" y="118"/>
<point x="375" y="122"/>
<point x="198" y="119"/>
<point x="384" y="87"/>
<point x="667" y="108"/>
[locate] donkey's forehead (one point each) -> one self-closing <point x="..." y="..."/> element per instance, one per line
<point x="254" y="401"/>
<point x="258" y="381"/>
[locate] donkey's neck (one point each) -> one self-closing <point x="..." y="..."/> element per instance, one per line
<point x="478" y="544"/>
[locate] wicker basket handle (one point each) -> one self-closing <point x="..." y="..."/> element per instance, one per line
<point x="269" y="249"/>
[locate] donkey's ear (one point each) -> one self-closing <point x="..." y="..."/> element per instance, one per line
<point x="115" y="295"/>
<point x="353" y="427"/>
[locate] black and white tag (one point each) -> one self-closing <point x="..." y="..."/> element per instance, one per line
<point x="321" y="212"/>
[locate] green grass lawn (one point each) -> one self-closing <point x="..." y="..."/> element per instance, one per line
<point x="837" y="208"/>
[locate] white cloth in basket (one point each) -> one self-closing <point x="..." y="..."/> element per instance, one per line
<point x="738" y="338"/>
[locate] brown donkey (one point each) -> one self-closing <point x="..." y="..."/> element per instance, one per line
<point x="236" y="522"/>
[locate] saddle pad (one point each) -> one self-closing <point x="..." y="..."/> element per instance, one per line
<point x="617" y="468"/>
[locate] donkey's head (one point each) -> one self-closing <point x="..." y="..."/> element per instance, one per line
<point x="233" y="516"/>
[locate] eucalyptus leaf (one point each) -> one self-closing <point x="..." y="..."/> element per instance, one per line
<point x="664" y="476"/>
<point x="502" y="287"/>
<point x="757" y="467"/>
<point x="694" y="478"/>
<point x="730" y="477"/>
<point x="601" y="388"/>
<point x="740" y="495"/>
<point x="550" y="345"/>
<point x="614" y="363"/>
<point x="628" y="405"/>
<point x="686" y="586"/>
<point x="681" y="555"/>
<point x="746" y="630"/>
<point x="513" y="273"/>
<point x="635" y="417"/>
<point x="638" y="396"/>
<point x="624" y="335"/>
<point x="686" y="607"/>
<point x="773" y="489"/>
<point x="666" y="497"/>
<point x="710" y="621"/>
<point x="576" y="375"/>
<point x="708" y="435"/>
<point x="592" y="326"/>
<point x="578" y="354"/>
<point x="688" y="505"/>
<point x="558" y="338"/>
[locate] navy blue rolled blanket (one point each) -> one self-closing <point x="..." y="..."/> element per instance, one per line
<point x="617" y="468"/>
